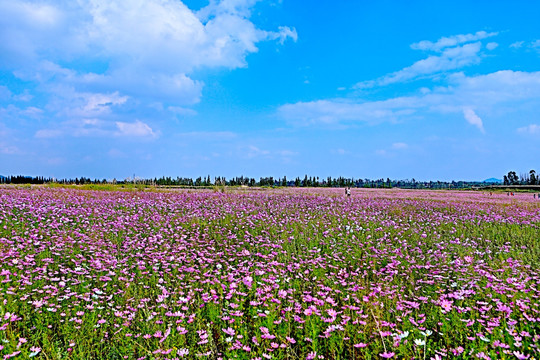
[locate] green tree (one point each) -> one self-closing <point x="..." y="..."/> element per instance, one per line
<point x="532" y="177"/>
<point x="513" y="178"/>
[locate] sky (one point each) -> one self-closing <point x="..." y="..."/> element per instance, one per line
<point x="431" y="90"/>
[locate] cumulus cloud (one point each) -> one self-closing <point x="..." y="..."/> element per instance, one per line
<point x="517" y="44"/>
<point x="491" y="45"/>
<point x="532" y="129"/>
<point x="135" y="129"/>
<point x="92" y="56"/>
<point x="473" y="119"/>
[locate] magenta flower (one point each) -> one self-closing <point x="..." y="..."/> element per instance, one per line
<point x="229" y="331"/>
<point x="521" y="356"/>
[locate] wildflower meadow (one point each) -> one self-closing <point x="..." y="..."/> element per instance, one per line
<point x="268" y="274"/>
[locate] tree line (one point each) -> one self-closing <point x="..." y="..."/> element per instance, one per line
<point x="306" y="181"/>
<point x="530" y="178"/>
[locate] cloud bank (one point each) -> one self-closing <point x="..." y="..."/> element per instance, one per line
<point x="91" y="58"/>
<point x="453" y="94"/>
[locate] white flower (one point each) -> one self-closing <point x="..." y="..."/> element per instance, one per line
<point x="182" y="352"/>
<point x="419" y="342"/>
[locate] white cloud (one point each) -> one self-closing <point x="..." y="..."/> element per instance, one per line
<point x="100" y="103"/>
<point x="145" y="51"/>
<point x="135" y="129"/>
<point x="393" y="150"/>
<point x="7" y="149"/>
<point x="473" y="119"/>
<point x="286" y="153"/>
<point x="5" y="94"/>
<point x="491" y="94"/>
<point x="115" y="153"/>
<point x="209" y="135"/>
<point x="48" y="133"/>
<point x="451" y="53"/>
<point x="491" y="45"/>
<point x="177" y="110"/>
<point x="66" y="102"/>
<point x="335" y="111"/>
<point x="451" y="41"/>
<point x="532" y="129"/>
<point x="517" y="44"/>
<point x="15" y="113"/>
<point x="252" y="151"/>
<point x="400" y="146"/>
<point x="450" y="59"/>
<point x="339" y="151"/>
<point x="284" y="33"/>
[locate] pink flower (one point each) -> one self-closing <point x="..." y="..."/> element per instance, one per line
<point x="229" y="331"/>
<point x="387" y="355"/>
<point x="167" y="333"/>
<point x="446" y="305"/>
<point x="360" y="345"/>
<point x="521" y="356"/>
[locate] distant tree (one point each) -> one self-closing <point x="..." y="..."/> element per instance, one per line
<point x="532" y="177"/>
<point x="512" y="177"/>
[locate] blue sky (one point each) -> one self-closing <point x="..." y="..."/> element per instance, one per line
<point x="366" y="89"/>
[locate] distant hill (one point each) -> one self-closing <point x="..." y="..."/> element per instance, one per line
<point x="493" y="181"/>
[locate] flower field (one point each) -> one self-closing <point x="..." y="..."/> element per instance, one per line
<point x="274" y="274"/>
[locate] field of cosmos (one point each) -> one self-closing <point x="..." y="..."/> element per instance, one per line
<point x="282" y="273"/>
